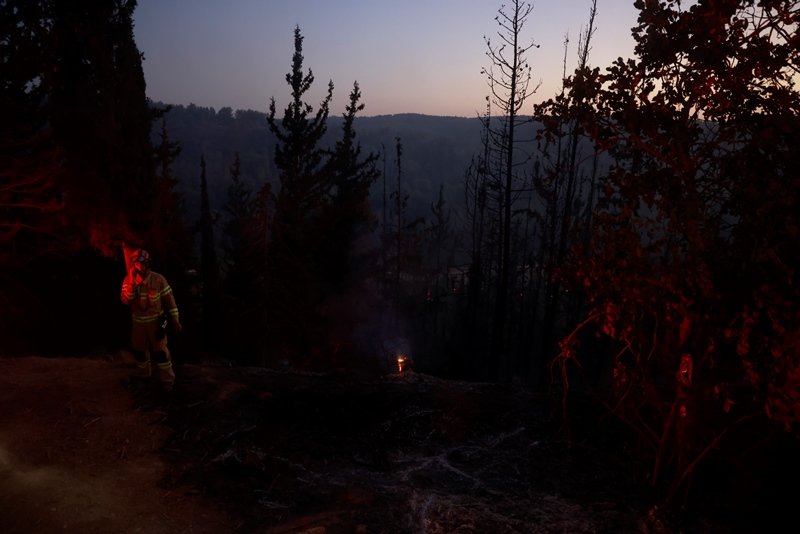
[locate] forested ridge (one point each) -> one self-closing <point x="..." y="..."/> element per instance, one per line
<point x="628" y="246"/>
<point x="437" y="150"/>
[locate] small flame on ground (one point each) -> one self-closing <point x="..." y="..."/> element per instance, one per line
<point x="401" y="363"/>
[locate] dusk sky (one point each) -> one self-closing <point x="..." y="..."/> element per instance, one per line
<point x="408" y="56"/>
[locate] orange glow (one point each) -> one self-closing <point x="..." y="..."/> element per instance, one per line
<point x="107" y="237"/>
<point x="401" y="363"/>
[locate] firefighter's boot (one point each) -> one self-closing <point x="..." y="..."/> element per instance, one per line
<point x="165" y="371"/>
<point x="143" y="367"/>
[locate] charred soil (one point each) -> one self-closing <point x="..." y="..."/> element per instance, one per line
<point x="85" y="447"/>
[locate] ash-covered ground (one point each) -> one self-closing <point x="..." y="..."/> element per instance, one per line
<point x="84" y="447"/>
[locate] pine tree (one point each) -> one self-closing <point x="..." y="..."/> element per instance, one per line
<point x="240" y="210"/>
<point x="171" y="239"/>
<point x="348" y="213"/>
<point x="293" y="293"/>
<point x="320" y="212"/>
<point x="400" y="236"/>
<point x="243" y="267"/>
<point x="209" y="265"/>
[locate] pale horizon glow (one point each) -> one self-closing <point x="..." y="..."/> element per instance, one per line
<point x="409" y="56"/>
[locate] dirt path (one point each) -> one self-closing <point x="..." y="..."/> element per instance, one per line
<point x="76" y="455"/>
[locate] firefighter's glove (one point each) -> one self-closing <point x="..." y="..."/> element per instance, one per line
<point x="177" y="327"/>
<point x="129" y="290"/>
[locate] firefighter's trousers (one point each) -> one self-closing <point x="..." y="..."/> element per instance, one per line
<point x="147" y="346"/>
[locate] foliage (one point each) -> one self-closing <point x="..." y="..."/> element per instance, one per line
<point x="28" y="153"/>
<point x="240" y="208"/>
<point x="209" y="264"/>
<point x="77" y="172"/>
<point x="292" y="290"/>
<point x="171" y="240"/>
<point x="244" y="249"/>
<point x="78" y="124"/>
<point x="347" y="213"/>
<point x="323" y="194"/>
<point x="691" y="271"/>
<point x="564" y="181"/>
<point x="436" y="150"/>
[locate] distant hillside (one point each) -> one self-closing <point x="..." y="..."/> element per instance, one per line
<point x="436" y="151"/>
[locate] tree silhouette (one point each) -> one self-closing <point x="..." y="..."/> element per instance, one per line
<point x="510" y="88"/>
<point x="102" y="118"/>
<point x="690" y="272"/>
<point x="171" y="241"/>
<point x="77" y="173"/>
<point x="439" y="246"/>
<point x="209" y="264"/>
<point x="347" y="212"/>
<point x="240" y="209"/>
<point x="400" y="239"/>
<point x="293" y="292"/>
<point x="482" y="233"/>
<point x="243" y="266"/>
<point x="558" y="184"/>
<point x="318" y="187"/>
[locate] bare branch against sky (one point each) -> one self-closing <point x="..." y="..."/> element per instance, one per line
<point x="413" y="56"/>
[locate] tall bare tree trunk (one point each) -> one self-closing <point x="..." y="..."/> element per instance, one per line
<point x="510" y="88"/>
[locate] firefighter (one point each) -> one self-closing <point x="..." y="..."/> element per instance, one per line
<point x="152" y="304"/>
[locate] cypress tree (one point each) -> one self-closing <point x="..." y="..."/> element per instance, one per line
<point x="321" y="205"/>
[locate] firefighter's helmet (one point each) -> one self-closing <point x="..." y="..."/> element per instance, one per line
<point x="141" y="256"/>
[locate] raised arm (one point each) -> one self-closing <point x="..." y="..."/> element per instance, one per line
<point x="128" y="291"/>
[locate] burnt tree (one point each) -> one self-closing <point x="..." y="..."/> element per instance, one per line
<point x="690" y="272"/>
<point x="509" y="78"/>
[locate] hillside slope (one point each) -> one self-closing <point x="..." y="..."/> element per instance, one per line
<point x="85" y="448"/>
<point x="76" y="455"/>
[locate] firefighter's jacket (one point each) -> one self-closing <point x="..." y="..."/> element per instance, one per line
<point x="149" y="298"/>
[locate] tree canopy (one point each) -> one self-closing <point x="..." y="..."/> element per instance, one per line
<point x="691" y="271"/>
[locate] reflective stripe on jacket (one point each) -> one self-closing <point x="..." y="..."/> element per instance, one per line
<point x="148" y="299"/>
